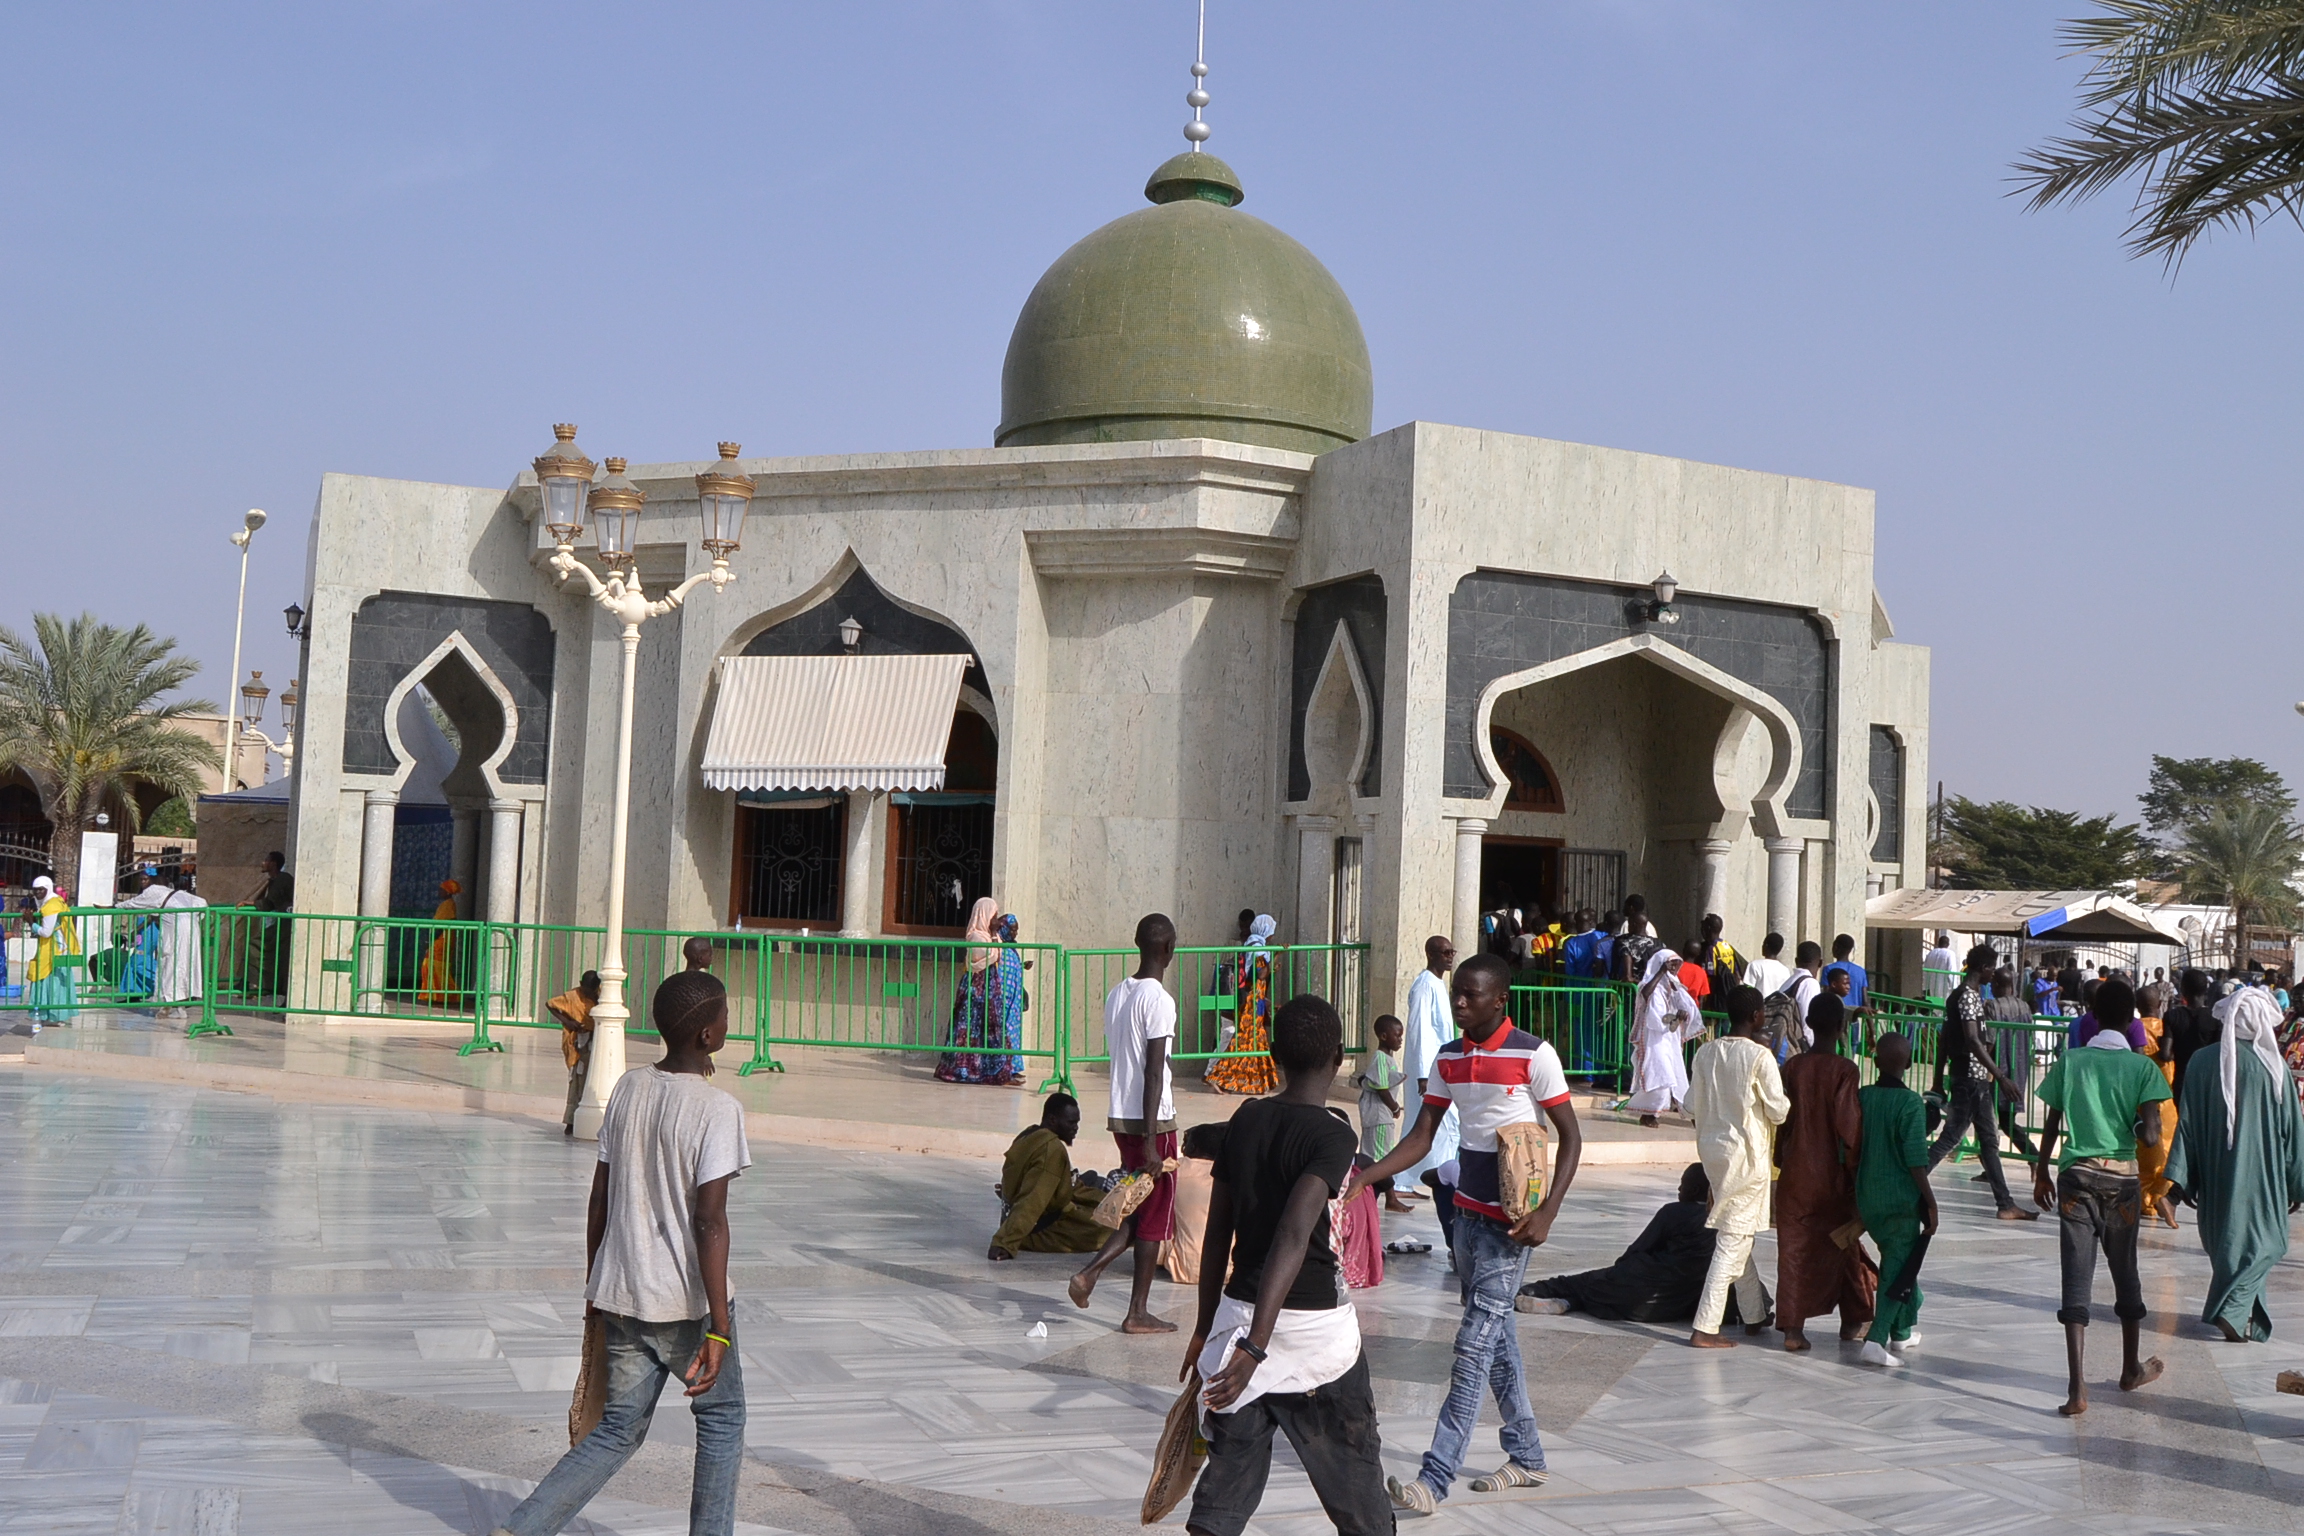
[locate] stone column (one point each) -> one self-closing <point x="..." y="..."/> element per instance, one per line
<point x="1784" y="887"/>
<point x="503" y="862"/>
<point x="464" y="854"/>
<point x="1464" y="922"/>
<point x="376" y="853"/>
<point x="856" y="866"/>
<point x="1315" y="878"/>
<point x="1712" y="886"/>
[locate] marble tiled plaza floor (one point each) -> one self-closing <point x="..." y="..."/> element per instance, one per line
<point x="220" y="1313"/>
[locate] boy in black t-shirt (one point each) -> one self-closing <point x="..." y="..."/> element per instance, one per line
<point x="1279" y="1344"/>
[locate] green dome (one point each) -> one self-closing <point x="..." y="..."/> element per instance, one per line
<point x="1187" y="319"/>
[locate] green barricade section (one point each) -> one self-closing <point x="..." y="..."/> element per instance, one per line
<point x="1025" y="1012"/>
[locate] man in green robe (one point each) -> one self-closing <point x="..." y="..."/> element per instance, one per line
<point x="1047" y="1210"/>
<point x="1892" y="1195"/>
<point x="2239" y="1157"/>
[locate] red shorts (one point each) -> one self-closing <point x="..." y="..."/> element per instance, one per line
<point x="1156" y="1218"/>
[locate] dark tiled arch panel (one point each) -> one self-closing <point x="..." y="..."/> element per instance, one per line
<point x="1888" y="789"/>
<point x="1357" y="601"/>
<point x="889" y="630"/>
<point x="393" y="631"/>
<point x="1501" y="622"/>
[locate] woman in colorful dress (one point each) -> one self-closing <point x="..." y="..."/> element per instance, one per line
<point x="1247" y="1067"/>
<point x="55" y="991"/>
<point x="1013" y="1000"/>
<point x="436" y="977"/>
<point x="978" y="1030"/>
<point x="2152" y="1158"/>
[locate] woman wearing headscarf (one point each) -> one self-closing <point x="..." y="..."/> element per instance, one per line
<point x="55" y="991"/>
<point x="1247" y="1067"/>
<point x="2152" y="1157"/>
<point x="1816" y="1186"/>
<point x="436" y="977"/>
<point x="2239" y="1158"/>
<point x="1009" y="976"/>
<point x="1664" y="1017"/>
<point x="977" y="1028"/>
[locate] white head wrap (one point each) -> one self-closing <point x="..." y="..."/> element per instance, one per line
<point x="43" y="883"/>
<point x="1260" y="931"/>
<point x="1664" y="999"/>
<point x="2251" y="1020"/>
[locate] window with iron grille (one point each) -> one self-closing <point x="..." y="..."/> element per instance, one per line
<point x="788" y="862"/>
<point x="1592" y="877"/>
<point x="940" y="862"/>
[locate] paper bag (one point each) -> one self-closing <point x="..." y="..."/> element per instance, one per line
<point x="1520" y="1167"/>
<point x="1177" y="1459"/>
<point x="591" y="1399"/>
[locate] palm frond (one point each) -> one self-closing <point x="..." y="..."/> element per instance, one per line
<point x="2202" y="101"/>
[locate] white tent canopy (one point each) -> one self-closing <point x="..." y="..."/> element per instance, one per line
<point x="2040" y="916"/>
<point x="832" y="722"/>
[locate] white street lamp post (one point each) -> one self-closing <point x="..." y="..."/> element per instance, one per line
<point x="565" y="476"/>
<point x="248" y="526"/>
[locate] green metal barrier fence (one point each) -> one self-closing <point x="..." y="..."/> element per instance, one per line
<point x="1587" y="1020"/>
<point x="1035" y="1011"/>
<point x="1215" y="988"/>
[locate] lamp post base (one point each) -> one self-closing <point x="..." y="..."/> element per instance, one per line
<point x="588" y="1118"/>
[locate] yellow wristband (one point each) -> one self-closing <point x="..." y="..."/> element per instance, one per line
<point x="723" y="1343"/>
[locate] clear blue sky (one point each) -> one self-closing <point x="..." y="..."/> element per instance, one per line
<point x="245" y="245"/>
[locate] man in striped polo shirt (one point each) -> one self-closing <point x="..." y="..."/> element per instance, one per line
<point x="1494" y="1076"/>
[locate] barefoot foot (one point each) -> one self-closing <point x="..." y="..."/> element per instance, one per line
<point x="1710" y="1341"/>
<point x="1649" y="1121"/>
<point x="1397" y="1206"/>
<point x="1796" y="1342"/>
<point x="1081" y="1287"/>
<point x="2075" y="1405"/>
<point x="1145" y="1322"/>
<point x="2146" y="1372"/>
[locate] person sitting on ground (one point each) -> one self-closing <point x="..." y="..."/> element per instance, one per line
<point x="656" y="1252"/>
<point x="1659" y="1279"/>
<point x="1044" y="1209"/>
<point x="1195" y="1179"/>
<point x="697" y="952"/>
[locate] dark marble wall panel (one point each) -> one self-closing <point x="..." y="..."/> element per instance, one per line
<point x="1358" y="602"/>
<point x="393" y="631"/>
<point x="1888" y="789"/>
<point x="889" y="630"/>
<point x="1501" y="622"/>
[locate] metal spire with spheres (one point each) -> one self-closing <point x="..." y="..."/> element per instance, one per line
<point x="1197" y="98"/>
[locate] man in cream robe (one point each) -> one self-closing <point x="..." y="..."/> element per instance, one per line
<point x="1737" y="1099"/>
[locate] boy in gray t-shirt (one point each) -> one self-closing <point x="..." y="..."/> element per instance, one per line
<point x="656" y="1239"/>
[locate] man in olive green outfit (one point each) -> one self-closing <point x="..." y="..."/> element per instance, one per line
<point x="1892" y="1194"/>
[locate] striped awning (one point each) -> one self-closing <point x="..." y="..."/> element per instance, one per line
<point x="832" y="722"/>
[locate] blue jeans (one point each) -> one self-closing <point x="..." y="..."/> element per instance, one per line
<point x="642" y="1359"/>
<point x="1489" y="1267"/>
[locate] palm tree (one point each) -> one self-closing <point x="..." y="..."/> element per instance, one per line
<point x="82" y="714"/>
<point x="2203" y="100"/>
<point x="2244" y="854"/>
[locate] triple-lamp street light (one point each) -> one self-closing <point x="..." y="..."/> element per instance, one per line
<point x="253" y="692"/>
<point x="724" y="494"/>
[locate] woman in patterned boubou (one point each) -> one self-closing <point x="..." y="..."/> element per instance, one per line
<point x="988" y="1010"/>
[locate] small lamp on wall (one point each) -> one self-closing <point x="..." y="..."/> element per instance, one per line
<point x="1661" y="611"/>
<point x="851" y="633"/>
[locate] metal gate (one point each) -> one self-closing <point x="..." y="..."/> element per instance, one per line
<point x="1592" y="877"/>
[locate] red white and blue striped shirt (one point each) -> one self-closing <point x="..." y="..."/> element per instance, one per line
<point x="1498" y="1082"/>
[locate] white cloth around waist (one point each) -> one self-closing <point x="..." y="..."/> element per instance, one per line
<point x="1308" y="1349"/>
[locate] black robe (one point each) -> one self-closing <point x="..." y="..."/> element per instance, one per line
<point x="1659" y="1279"/>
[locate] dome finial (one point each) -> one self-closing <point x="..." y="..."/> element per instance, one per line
<point x="1197" y="130"/>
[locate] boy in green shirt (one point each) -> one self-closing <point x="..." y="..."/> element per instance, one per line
<point x="1892" y="1194"/>
<point x="2097" y="1092"/>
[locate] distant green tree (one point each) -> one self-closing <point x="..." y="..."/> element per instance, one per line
<point x="2183" y="790"/>
<point x="2001" y="846"/>
<point x="2243" y="854"/>
<point x="2201" y="101"/>
<point x="171" y="818"/>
